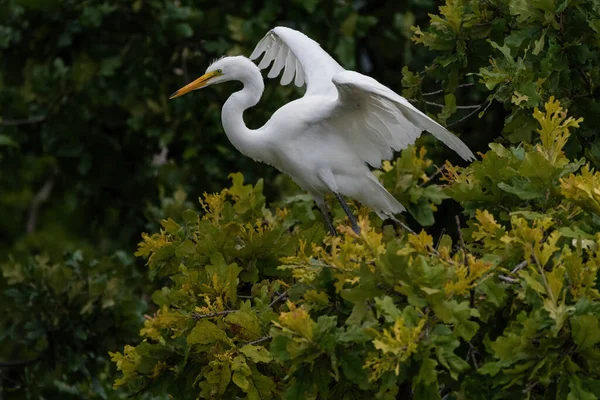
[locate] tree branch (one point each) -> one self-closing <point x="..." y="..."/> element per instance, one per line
<point x="40" y="197"/>
<point x="465" y="117"/>
<point x="18" y="363"/>
<point x="278" y="298"/>
<point x="519" y="267"/>
<point x="260" y="340"/>
<point x="436" y="173"/>
<point x="507" y="279"/>
<point x="28" y="121"/>
<point x="442" y="90"/>
<point x="210" y="315"/>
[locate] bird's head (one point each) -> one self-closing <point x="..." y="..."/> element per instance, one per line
<point x="222" y="70"/>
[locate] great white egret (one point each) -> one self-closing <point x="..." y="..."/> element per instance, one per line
<point x="325" y="139"/>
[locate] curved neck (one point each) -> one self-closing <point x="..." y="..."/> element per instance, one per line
<point x="232" y="114"/>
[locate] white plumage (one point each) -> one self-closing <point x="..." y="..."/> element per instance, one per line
<point x="325" y="139"/>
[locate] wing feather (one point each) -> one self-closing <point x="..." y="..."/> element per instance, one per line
<point x="290" y="70"/>
<point x="279" y="62"/>
<point x="299" y="80"/>
<point x="375" y="120"/>
<point x="302" y="58"/>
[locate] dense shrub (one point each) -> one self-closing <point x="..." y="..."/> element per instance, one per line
<point x="61" y="319"/>
<point x="264" y="307"/>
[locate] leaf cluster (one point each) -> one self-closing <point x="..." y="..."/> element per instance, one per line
<point x="518" y="53"/>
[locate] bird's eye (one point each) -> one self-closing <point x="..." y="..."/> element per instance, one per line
<point x="220" y="71"/>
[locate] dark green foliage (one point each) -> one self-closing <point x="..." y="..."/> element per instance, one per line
<point x="61" y="319"/>
<point x="522" y="52"/>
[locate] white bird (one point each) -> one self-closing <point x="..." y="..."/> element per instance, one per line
<point x="325" y="140"/>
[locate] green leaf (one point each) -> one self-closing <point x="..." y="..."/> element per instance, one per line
<point x="7" y="141"/>
<point x="523" y="190"/>
<point x="539" y="44"/>
<point x="577" y="391"/>
<point x="183" y="30"/>
<point x="260" y="387"/>
<point x="256" y="353"/>
<point x="241" y="372"/>
<point x="170" y="226"/>
<point x="445" y="346"/>
<point x="494" y="292"/>
<point x="458" y="314"/>
<point x="205" y="332"/>
<point x="185" y="248"/>
<point x="425" y="383"/>
<point x="586" y="331"/>
<point x="302" y="386"/>
<point x="353" y="368"/>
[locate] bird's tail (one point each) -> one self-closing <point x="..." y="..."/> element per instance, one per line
<point x="380" y="200"/>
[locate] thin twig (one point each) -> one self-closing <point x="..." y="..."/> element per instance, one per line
<point x="403" y="226"/>
<point x="278" y="298"/>
<point x="431" y="103"/>
<point x="34" y="120"/>
<point x="210" y="315"/>
<point x="436" y="173"/>
<point x="18" y="363"/>
<point x="464" y="252"/>
<point x="471" y="353"/>
<point x="40" y="197"/>
<point x="548" y="289"/>
<point x="465" y="117"/>
<point x="460" y="235"/>
<point x="530" y="387"/>
<point x="242" y="296"/>
<point x="437" y="244"/>
<point x="440" y="105"/>
<point x="507" y="279"/>
<point x="354" y="260"/>
<point x="28" y="121"/>
<point x="442" y="90"/>
<point x="260" y="340"/>
<point x="519" y="267"/>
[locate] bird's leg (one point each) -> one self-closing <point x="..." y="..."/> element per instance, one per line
<point x="351" y="217"/>
<point x="326" y="216"/>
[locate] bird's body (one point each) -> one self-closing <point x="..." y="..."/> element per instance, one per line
<point x="325" y="140"/>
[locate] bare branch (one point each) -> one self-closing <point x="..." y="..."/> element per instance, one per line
<point x="460" y="235"/>
<point x="465" y="117"/>
<point x="260" y="340"/>
<point x="437" y="244"/>
<point x="40" y="197"/>
<point x="442" y="90"/>
<point x="403" y="226"/>
<point x="507" y="279"/>
<point x="16" y="122"/>
<point x="18" y="363"/>
<point x="519" y="267"/>
<point x="215" y="314"/>
<point x="436" y="173"/>
<point x="278" y="298"/>
<point x="530" y="387"/>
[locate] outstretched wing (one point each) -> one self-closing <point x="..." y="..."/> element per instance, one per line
<point x="375" y="120"/>
<point x="297" y="56"/>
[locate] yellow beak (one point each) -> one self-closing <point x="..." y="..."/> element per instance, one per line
<point x="197" y="84"/>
